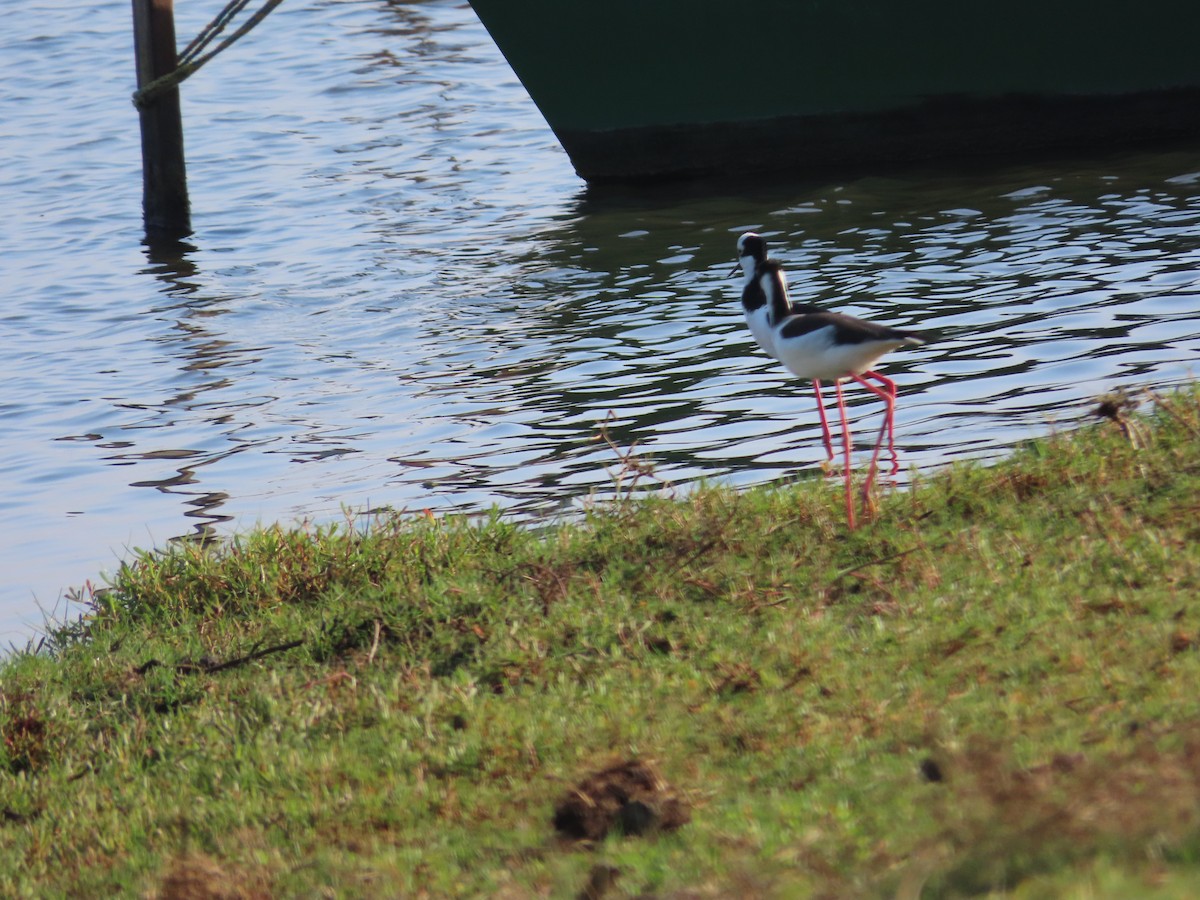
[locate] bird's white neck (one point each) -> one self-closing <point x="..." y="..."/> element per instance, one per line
<point x="749" y="269"/>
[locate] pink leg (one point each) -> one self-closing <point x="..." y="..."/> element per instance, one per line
<point x="889" y="387"/>
<point x="888" y="426"/>
<point x="846" y="438"/>
<point x="825" y="435"/>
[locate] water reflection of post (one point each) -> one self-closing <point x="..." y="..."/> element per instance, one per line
<point x="171" y="265"/>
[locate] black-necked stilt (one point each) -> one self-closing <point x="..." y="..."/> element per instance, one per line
<point x="817" y="345"/>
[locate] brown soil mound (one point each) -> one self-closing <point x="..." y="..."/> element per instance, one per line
<point x="629" y="796"/>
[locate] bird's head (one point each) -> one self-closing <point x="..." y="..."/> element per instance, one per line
<point x="751" y="250"/>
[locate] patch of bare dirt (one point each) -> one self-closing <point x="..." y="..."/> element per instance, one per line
<point x="199" y="877"/>
<point x="629" y="796"/>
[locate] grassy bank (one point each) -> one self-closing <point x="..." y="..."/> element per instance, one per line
<point x="993" y="688"/>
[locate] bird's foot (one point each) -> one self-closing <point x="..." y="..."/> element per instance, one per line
<point x="869" y="507"/>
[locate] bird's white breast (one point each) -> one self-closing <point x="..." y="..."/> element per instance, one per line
<point x="760" y="328"/>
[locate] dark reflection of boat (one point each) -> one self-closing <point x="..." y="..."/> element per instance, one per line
<point x="642" y="89"/>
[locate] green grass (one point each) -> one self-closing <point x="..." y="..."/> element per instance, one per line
<point x="991" y="689"/>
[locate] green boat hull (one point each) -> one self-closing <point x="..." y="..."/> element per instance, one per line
<point x="652" y="89"/>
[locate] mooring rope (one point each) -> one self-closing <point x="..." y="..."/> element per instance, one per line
<point x="190" y="60"/>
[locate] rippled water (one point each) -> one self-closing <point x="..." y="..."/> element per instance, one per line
<point x="398" y="294"/>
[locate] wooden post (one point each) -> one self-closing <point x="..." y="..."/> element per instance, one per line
<point x="165" y="208"/>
